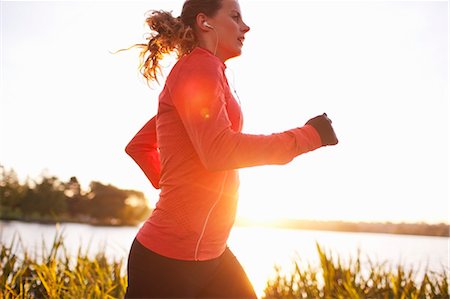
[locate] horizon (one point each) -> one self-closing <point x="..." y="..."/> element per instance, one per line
<point x="69" y="106"/>
<point x="240" y="219"/>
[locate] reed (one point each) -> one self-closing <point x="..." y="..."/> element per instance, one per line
<point x="54" y="274"/>
<point x="336" y="279"/>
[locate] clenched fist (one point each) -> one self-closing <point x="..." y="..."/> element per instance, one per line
<point x="323" y="126"/>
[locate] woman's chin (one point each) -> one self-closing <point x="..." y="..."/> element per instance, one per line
<point x="236" y="52"/>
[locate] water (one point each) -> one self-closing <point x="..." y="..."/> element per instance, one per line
<point x="258" y="249"/>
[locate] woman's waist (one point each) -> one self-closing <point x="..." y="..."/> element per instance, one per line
<point x="188" y="232"/>
<point x="189" y="206"/>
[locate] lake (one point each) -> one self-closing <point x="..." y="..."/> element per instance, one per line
<point x="258" y="249"/>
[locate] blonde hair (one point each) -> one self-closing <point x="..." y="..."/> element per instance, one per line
<point x="170" y="34"/>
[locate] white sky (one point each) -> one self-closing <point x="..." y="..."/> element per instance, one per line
<point x="379" y="69"/>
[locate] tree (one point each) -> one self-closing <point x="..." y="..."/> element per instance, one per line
<point x="136" y="209"/>
<point x="107" y="202"/>
<point x="72" y="188"/>
<point x="45" y="198"/>
<point x="49" y="199"/>
<point x="11" y="193"/>
<point x="77" y="201"/>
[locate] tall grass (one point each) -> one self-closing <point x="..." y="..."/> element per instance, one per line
<point x="54" y="274"/>
<point x="335" y="279"/>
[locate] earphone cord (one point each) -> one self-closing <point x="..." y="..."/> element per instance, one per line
<point x="217" y="40"/>
<point x="215" y="52"/>
<point x="233" y="86"/>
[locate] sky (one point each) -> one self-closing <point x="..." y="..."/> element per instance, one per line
<point x="379" y="69"/>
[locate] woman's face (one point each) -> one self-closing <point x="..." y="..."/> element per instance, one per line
<point x="230" y="29"/>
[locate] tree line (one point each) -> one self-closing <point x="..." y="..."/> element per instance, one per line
<point x="48" y="199"/>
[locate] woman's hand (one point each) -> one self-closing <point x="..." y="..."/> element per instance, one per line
<point x="322" y="124"/>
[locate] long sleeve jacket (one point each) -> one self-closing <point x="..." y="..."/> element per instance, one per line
<point x="192" y="149"/>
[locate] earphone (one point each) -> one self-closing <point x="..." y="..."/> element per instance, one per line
<point x="207" y="25"/>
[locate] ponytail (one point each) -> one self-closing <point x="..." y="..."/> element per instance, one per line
<point x="168" y="35"/>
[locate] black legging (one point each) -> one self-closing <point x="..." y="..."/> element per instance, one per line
<point x="151" y="275"/>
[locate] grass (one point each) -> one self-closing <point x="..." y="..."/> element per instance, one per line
<point x="55" y="274"/>
<point x="335" y="279"/>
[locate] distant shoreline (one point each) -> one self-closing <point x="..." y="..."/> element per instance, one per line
<point x="92" y="222"/>
<point x="418" y="229"/>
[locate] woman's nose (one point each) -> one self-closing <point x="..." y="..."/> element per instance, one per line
<point x="245" y="28"/>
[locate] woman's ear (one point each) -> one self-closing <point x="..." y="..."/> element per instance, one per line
<point x="201" y="21"/>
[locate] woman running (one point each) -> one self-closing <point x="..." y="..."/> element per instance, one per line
<point x="191" y="151"/>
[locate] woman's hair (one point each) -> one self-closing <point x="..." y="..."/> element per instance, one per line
<point x="170" y="34"/>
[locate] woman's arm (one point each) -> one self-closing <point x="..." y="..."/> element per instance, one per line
<point x="143" y="148"/>
<point x="199" y="99"/>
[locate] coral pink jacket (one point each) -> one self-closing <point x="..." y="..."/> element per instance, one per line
<point x="191" y="150"/>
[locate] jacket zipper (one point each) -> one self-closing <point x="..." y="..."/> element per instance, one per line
<point x="207" y="218"/>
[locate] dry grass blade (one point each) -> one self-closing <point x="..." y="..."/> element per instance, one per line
<point x="346" y="280"/>
<point x="52" y="276"/>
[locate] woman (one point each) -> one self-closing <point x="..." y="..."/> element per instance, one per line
<point x="190" y="151"/>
